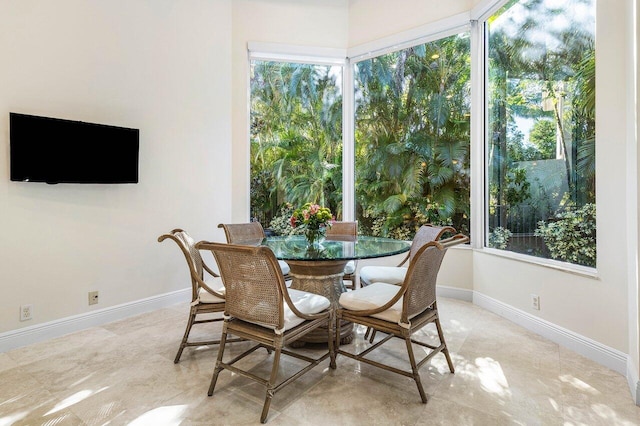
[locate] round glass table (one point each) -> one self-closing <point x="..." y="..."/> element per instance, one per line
<point x="319" y="268"/>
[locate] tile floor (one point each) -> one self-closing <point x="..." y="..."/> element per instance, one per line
<point x="123" y="374"/>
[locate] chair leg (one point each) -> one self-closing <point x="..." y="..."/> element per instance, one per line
<point x="414" y="369"/>
<point x="445" y="350"/>
<point x="183" y="344"/>
<point x="332" y="325"/>
<point x="370" y="334"/>
<point x="218" y="368"/>
<point x="271" y="385"/>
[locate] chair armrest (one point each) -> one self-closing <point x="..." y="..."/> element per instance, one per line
<point x="209" y="271"/>
<point x="368" y="312"/>
<point x="404" y="260"/>
<point x="204" y="285"/>
<point x="287" y="299"/>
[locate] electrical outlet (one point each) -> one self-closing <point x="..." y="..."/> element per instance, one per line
<point x="535" y="302"/>
<point x="25" y="312"/>
<point x="93" y="297"/>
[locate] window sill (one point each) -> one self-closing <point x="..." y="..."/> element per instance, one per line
<point x="583" y="271"/>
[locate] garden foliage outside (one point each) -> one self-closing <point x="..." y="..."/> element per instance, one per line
<point x="412" y="135"/>
<point x="541" y="116"/>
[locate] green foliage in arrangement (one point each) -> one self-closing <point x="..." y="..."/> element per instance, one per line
<point x="311" y="216"/>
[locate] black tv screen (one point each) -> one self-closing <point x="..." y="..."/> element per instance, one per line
<point x="54" y="150"/>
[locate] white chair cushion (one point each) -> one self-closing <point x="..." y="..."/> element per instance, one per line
<point x="350" y="267"/>
<point x="382" y="274"/>
<point x="305" y="302"/>
<point x="284" y="266"/>
<point x="215" y="284"/>
<point x="371" y="297"/>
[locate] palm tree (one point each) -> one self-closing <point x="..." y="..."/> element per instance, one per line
<point x="296" y="136"/>
<point x="412" y="138"/>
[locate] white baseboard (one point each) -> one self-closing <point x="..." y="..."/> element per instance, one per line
<point x="49" y="330"/>
<point x="455" y="293"/>
<point x="582" y="345"/>
<point x="633" y="380"/>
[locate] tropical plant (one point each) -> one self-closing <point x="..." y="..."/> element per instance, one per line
<point x="545" y="75"/>
<point x="499" y="238"/>
<point x="412" y="138"/>
<point x="571" y="236"/>
<point x="296" y="136"/>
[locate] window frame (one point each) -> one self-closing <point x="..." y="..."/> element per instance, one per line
<point x="473" y="21"/>
<point x="479" y="16"/>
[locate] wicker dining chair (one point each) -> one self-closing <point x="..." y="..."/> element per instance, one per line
<point x="259" y="307"/>
<point x="250" y="233"/>
<point x="207" y="297"/>
<point x="340" y="231"/>
<point x="395" y="274"/>
<point x="400" y="311"/>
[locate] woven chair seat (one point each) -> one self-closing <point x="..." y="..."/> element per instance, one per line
<point x="382" y="274"/>
<point x="215" y="284"/>
<point x="284" y="267"/>
<point x="350" y="267"/>
<point x="374" y="296"/>
<point x="305" y="302"/>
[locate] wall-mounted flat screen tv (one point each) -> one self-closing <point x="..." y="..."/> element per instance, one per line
<point x="54" y="150"/>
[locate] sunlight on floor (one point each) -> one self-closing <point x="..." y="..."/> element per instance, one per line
<point x="74" y="399"/>
<point x="579" y="384"/>
<point x="11" y="419"/>
<point x="492" y="377"/>
<point x="161" y="416"/>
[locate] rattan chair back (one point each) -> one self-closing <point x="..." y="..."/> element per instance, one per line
<point x="253" y="282"/>
<point x="345" y="231"/>
<point x="342" y="230"/>
<point x="243" y="233"/>
<point x="192" y="255"/>
<point x="428" y="233"/>
<point x="420" y="281"/>
<point x="213" y="302"/>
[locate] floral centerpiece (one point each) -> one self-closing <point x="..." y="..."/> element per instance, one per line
<point x="314" y="219"/>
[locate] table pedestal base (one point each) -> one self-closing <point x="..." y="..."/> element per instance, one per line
<point x="324" y="278"/>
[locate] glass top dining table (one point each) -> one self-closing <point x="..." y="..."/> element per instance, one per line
<point x="295" y="247"/>
<point x="319" y="268"/>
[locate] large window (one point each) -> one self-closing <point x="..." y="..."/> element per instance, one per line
<point x="412" y="138"/>
<point x="541" y="129"/>
<point x="296" y="139"/>
<point x="409" y="160"/>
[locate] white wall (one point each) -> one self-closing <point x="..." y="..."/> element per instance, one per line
<point x="161" y="66"/>
<point x="374" y="19"/>
<point x="594" y="308"/>
<point x="178" y="71"/>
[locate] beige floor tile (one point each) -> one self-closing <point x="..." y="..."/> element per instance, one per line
<point x="123" y="373"/>
<point x="6" y="362"/>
